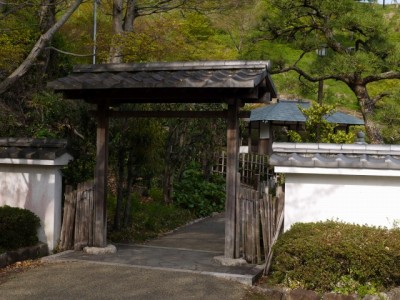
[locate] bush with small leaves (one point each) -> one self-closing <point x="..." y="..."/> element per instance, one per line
<point x="334" y="256"/>
<point x="18" y="227"/>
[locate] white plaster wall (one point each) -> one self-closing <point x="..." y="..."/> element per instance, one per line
<point x="37" y="188"/>
<point x="371" y="200"/>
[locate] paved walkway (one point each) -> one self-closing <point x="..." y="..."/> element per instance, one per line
<point x="190" y="249"/>
<point x="179" y="265"/>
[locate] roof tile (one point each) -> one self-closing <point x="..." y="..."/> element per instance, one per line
<point x="336" y="156"/>
<point x="288" y="111"/>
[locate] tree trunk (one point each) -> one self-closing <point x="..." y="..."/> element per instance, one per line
<point x="122" y="23"/>
<point x="367" y="107"/>
<point x="115" y="49"/>
<point x="47" y="19"/>
<point x="120" y="187"/>
<point x="37" y="49"/>
<point x="47" y="15"/>
<point x="127" y="215"/>
<point x="130" y="15"/>
<point x="168" y="184"/>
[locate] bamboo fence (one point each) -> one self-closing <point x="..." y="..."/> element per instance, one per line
<point x="251" y="167"/>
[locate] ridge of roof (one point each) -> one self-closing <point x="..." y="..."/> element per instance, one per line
<point x="194" y="81"/>
<point x="339" y="156"/>
<point x="28" y="148"/>
<point x="32" y="142"/>
<point x="174" y="66"/>
<point x="284" y="147"/>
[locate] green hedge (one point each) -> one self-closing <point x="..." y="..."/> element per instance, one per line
<point x="340" y="257"/>
<point x="18" y="228"/>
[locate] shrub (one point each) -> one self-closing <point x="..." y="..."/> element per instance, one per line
<point x="156" y="194"/>
<point x="200" y="196"/>
<point x="318" y="129"/>
<point x="340" y="257"/>
<point x="18" y="227"/>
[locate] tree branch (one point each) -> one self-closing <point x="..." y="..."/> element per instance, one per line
<point x="380" y="96"/>
<point x="37" y="49"/>
<point x="382" y="76"/>
<point x="161" y="6"/>
<point x="14" y="9"/>
<point x="306" y="75"/>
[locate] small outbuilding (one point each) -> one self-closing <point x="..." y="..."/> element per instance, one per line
<point x="266" y="123"/>
<point x="354" y="183"/>
<point x="30" y="178"/>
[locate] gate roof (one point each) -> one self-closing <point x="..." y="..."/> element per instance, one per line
<point x="176" y="82"/>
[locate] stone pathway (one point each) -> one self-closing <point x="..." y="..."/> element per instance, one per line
<point x="189" y="249"/>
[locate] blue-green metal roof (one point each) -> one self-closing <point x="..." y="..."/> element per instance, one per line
<point x="288" y="111"/>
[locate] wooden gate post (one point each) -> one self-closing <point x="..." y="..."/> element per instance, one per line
<point x="232" y="168"/>
<point x="100" y="221"/>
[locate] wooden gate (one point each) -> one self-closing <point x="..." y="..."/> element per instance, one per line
<point x="259" y="209"/>
<point x="261" y="221"/>
<point x="77" y="226"/>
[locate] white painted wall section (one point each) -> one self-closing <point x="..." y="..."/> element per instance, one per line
<point x="353" y="183"/>
<point x="370" y="200"/>
<point x="38" y="188"/>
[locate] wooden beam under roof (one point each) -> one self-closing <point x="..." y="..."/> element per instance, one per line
<point x="223" y="114"/>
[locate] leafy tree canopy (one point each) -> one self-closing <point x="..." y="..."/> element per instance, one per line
<point x="18" y="31"/>
<point x="318" y="129"/>
<point x="360" y="41"/>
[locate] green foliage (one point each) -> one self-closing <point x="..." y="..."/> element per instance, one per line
<point x="361" y="40"/>
<point x="47" y="113"/>
<point x="18" y="227"/>
<point x="201" y="196"/>
<point x="150" y="218"/>
<point x="334" y="256"/>
<point x="52" y="116"/>
<point x="348" y="285"/>
<point x="191" y="140"/>
<point x="18" y="33"/>
<point x="136" y="147"/>
<point x="347" y="22"/>
<point x="170" y="37"/>
<point x="156" y="194"/>
<point x="388" y="115"/>
<point x="13" y="49"/>
<point x="318" y="129"/>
